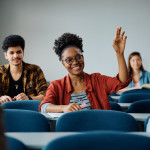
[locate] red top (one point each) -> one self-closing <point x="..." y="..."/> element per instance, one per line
<point x="98" y="87"/>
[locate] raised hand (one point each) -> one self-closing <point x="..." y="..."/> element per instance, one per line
<point x="119" y="41"/>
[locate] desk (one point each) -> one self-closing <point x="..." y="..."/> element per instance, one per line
<point x="137" y="116"/>
<point x="140" y="116"/>
<point x="49" y="117"/>
<point x="52" y="121"/>
<point x="115" y="98"/>
<point x="37" y="140"/>
<point x="142" y="133"/>
<point x="124" y="105"/>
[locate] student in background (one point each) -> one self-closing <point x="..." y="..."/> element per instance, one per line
<point x="79" y="90"/>
<point x="19" y="80"/>
<point x="140" y="77"/>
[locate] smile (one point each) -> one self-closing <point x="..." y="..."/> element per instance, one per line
<point x="76" y="68"/>
<point x="16" y="59"/>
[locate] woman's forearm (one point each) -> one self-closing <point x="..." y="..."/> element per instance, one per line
<point x="54" y="108"/>
<point x="123" y="71"/>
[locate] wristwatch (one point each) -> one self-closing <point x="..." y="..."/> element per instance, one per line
<point x="30" y="98"/>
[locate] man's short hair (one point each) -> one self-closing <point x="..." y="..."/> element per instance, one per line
<point x="13" y="41"/>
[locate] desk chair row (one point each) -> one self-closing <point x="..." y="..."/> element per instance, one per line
<point x="19" y="121"/>
<point x="94" y="120"/>
<point x="34" y="105"/>
<point x="142" y="91"/>
<point x="132" y="95"/>
<point x="140" y="99"/>
<point x="142" y="106"/>
<point x="126" y="97"/>
<point x="139" y="106"/>
<point x="100" y="140"/>
<point x="79" y="121"/>
<point x="16" y="120"/>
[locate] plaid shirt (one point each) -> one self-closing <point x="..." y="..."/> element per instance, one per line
<point x="33" y="80"/>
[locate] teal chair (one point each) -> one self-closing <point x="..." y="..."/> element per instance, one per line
<point x="115" y="106"/>
<point x="14" y="144"/>
<point x="17" y="120"/>
<point x="100" y="141"/>
<point x="132" y="97"/>
<point x="90" y="120"/>
<point x="140" y="107"/>
<point x="142" y="91"/>
<point x="23" y="104"/>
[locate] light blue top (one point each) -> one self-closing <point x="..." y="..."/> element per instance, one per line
<point x="144" y="79"/>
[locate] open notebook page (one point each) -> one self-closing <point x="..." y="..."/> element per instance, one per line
<point x="55" y="115"/>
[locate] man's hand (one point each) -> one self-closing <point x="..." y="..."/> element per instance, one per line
<point x="4" y="99"/>
<point x="119" y="41"/>
<point x="21" y="96"/>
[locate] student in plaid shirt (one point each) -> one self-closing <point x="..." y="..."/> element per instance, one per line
<point x="19" y="80"/>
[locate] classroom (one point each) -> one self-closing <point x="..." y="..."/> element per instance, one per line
<point x="41" y="22"/>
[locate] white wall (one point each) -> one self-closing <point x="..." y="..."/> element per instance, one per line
<point x="40" y="22"/>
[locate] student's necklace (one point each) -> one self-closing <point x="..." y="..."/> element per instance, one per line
<point x="16" y="85"/>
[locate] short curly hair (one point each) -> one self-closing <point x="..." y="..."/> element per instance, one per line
<point x="67" y="40"/>
<point x="12" y="41"/>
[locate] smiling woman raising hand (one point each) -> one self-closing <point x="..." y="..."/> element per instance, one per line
<point x="79" y="90"/>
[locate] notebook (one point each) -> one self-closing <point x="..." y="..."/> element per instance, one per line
<point x="55" y="115"/>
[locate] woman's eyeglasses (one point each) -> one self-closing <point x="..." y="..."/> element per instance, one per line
<point x="78" y="58"/>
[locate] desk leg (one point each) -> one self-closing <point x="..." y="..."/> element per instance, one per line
<point x="124" y="109"/>
<point x="141" y="125"/>
<point x="52" y="125"/>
